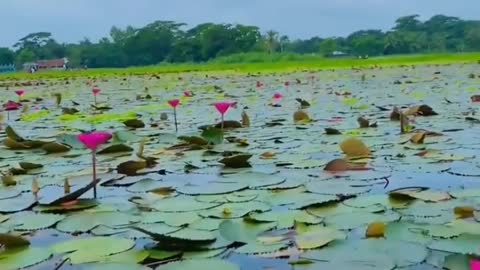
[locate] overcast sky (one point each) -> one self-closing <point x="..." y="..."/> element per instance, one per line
<point x="72" y="20"/>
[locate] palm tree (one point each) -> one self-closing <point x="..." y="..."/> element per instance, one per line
<point x="284" y="40"/>
<point x="271" y="40"/>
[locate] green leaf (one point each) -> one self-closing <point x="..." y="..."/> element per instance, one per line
<point x="213" y="135"/>
<point x="18" y="203"/>
<point x="235" y="210"/>
<point x="199" y="264"/>
<point x="336" y="187"/>
<point x="373" y="251"/>
<point x="181" y="204"/>
<point x="171" y="219"/>
<point x="81" y="204"/>
<point x="254" y="179"/>
<point x="236" y="161"/>
<point x="259" y="248"/>
<point x="29" y="221"/>
<point x="203" y="254"/>
<point x="156" y="230"/>
<point x="458" y="262"/>
<point x="464" y="244"/>
<point x="212" y="188"/>
<point x="115" y="148"/>
<point x="23" y="258"/>
<point x="83" y="222"/>
<point x="287" y="219"/>
<point x="115" y="266"/>
<point x="357" y="219"/>
<point x="11" y="241"/>
<point x="92" y="249"/>
<point x="317" y="236"/>
<point x="243" y="231"/>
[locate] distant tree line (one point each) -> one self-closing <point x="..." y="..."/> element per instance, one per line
<point x="168" y="41"/>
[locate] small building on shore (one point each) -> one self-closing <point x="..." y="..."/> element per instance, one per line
<point x="51" y="64"/>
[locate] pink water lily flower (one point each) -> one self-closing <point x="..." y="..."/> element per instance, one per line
<point x="174" y="102"/>
<point x="475" y="265"/>
<point x="188" y="93"/>
<point x="222" y="107"/>
<point x="277" y="96"/>
<point x="11" y="105"/>
<point x="94" y="139"/>
<point x="20" y="92"/>
<point x="96" y="91"/>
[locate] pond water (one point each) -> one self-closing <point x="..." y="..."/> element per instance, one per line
<point x="251" y="197"/>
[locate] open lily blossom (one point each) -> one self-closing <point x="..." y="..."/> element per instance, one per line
<point x="222" y="107"/>
<point x="11" y="105"/>
<point x="92" y="141"/>
<point x="20" y="92"/>
<point x="277" y="96"/>
<point x="96" y="91"/>
<point x="174" y="102"/>
<point x="475" y="265"/>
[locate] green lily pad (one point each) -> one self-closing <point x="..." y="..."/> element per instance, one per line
<point x="161" y="255"/>
<point x="254" y="179"/>
<point x="333" y="209"/>
<point x="92" y="249"/>
<point x="171" y="219"/>
<point x="199" y="264"/>
<point x="30" y="221"/>
<point x="243" y="231"/>
<point x="203" y="254"/>
<point x="115" y="148"/>
<point x="23" y="257"/>
<point x="464" y="244"/>
<point x="9" y="192"/>
<point x="115" y="266"/>
<point x="287" y="219"/>
<point x="336" y="187"/>
<point x="235" y="210"/>
<point x="18" y="203"/>
<point x="83" y="222"/>
<point x="259" y="248"/>
<point x="458" y="262"/>
<point x="400" y="252"/>
<point x="181" y="204"/>
<point x="156" y="230"/>
<point x="206" y="224"/>
<point x="81" y="204"/>
<point x="311" y="237"/>
<point x="212" y="188"/>
<point x="357" y="219"/>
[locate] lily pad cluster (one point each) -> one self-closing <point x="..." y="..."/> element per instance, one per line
<point x="334" y="175"/>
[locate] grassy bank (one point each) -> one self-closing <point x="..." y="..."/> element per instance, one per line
<point x="258" y="63"/>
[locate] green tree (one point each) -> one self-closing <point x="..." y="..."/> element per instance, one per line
<point x="7" y="56"/>
<point x="328" y="46"/>
<point x="271" y="41"/>
<point x="24" y="56"/>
